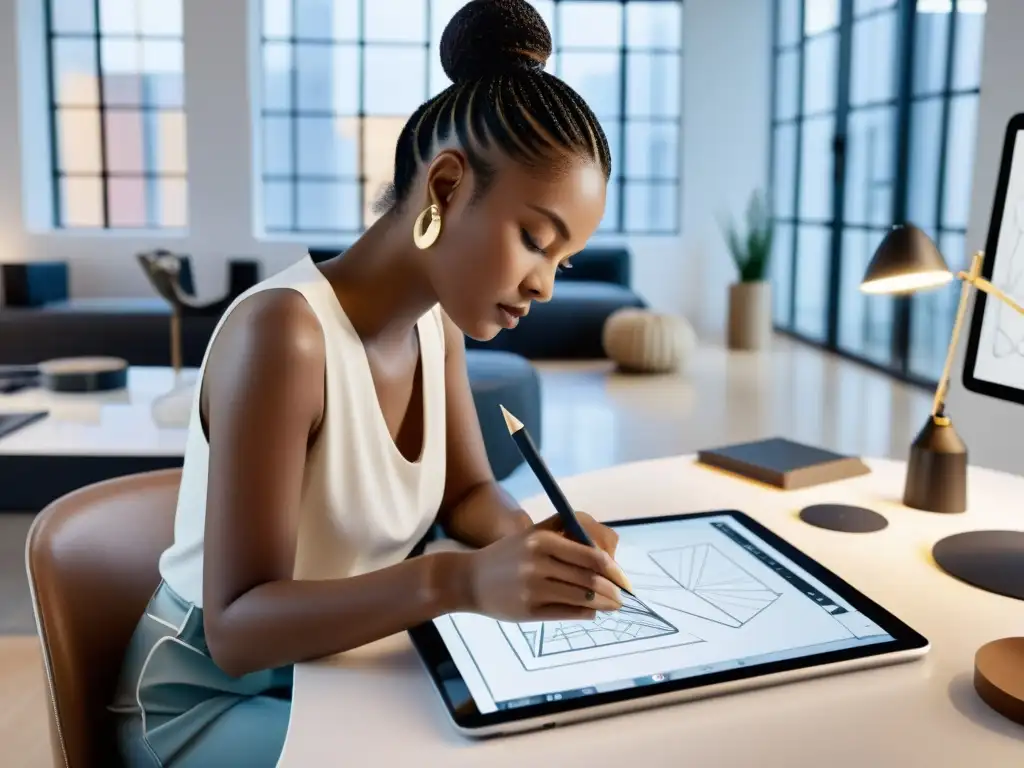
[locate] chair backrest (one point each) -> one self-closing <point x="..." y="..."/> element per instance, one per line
<point x="92" y="561"/>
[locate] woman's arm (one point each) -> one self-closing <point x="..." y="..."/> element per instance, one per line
<point x="476" y="510"/>
<point x="263" y="392"/>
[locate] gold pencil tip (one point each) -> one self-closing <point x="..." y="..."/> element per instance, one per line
<point x="513" y="424"/>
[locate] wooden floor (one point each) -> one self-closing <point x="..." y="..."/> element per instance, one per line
<point x="592" y="418"/>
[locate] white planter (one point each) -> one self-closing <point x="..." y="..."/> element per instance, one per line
<point x="750" y="315"/>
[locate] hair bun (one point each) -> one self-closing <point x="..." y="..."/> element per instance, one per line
<point x="491" y="37"/>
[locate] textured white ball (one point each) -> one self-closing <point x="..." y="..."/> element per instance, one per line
<point x="642" y="341"/>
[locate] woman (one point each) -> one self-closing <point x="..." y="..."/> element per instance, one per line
<point x="334" y="424"/>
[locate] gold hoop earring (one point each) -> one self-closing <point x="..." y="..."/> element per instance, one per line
<point x="424" y="238"/>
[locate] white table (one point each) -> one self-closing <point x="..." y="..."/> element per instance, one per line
<point x="376" y="705"/>
<point x="87" y="437"/>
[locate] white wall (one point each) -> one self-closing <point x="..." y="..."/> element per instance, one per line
<point x="726" y="50"/>
<point x="727" y="97"/>
<point x="993" y="429"/>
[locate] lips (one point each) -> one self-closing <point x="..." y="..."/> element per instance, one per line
<point x="514" y="311"/>
<point x="510" y="315"/>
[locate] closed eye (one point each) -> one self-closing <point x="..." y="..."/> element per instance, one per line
<point x="530" y="243"/>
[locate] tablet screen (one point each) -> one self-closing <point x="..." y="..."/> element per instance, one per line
<point x="711" y="595"/>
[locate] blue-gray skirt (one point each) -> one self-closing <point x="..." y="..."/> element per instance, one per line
<point x="175" y="707"/>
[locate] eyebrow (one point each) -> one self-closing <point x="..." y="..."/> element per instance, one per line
<point x="563" y="230"/>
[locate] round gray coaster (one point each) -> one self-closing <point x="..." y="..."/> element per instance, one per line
<point x="843" y="518"/>
<point x="989" y="560"/>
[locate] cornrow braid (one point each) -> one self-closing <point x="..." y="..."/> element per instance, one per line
<point x="494" y="51"/>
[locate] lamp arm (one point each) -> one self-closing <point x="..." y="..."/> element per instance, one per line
<point x="985" y="286"/>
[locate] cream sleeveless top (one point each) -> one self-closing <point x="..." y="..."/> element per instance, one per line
<point x="364" y="506"/>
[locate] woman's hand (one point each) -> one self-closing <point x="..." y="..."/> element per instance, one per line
<point x="603" y="536"/>
<point x="540" y="574"/>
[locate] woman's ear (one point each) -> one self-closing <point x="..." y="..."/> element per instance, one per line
<point x="444" y="177"/>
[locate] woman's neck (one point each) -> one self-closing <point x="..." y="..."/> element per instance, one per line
<point x="381" y="283"/>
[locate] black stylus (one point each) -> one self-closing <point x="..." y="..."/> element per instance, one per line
<point x="565" y="511"/>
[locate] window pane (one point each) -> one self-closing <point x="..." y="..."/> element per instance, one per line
<point x="820" y="15"/>
<point x="172" y="202"/>
<point x="925" y="152"/>
<point x="787" y="84"/>
<point x="81" y="202"/>
<point x="595" y="76"/>
<point x="931" y="41"/>
<point x="870" y="166"/>
<point x="277" y="145"/>
<point x="166" y="141"/>
<point x="277" y="18"/>
<point x="72" y="17"/>
<point x="653" y="87"/>
<point x="118" y="17"/>
<point x="277" y="206"/>
<point x="781" y="273"/>
<point x="784" y="170"/>
<point x="654" y="25"/>
<point x="277" y="77"/>
<point x="379" y="158"/>
<point x="789" y="21"/>
<point x="315" y="73"/>
<point x="74" y="72"/>
<point x="393" y="80"/>
<point x="970" y="32"/>
<point x="589" y="25"/>
<point x="121" y="60"/>
<point x="652" y="150"/>
<point x="875" y="59"/>
<point x="651" y="208"/>
<point x="812" y="272"/>
<point x="328" y="206"/>
<point x="820" y="73"/>
<point x="160" y="17"/>
<point x="78" y="141"/>
<point x="396" y="20"/>
<point x="125" y="142"/>
<point x="816" y="164"/>
<point x="860" y="7"/>
<point x="164" y="72"/>
<point x="865" y="321"/>
<point x="959" y="159"/>
<point x="127" y="201"/>
<point x="320" y="20"/>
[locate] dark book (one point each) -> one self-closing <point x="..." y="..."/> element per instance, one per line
<point x="784" y="463"/>
<point x="9" y="422"/>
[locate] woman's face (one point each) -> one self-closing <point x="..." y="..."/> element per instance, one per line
<point x="499" y="254"/>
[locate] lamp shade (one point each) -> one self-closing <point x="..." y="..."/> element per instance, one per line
<point x="906" y="261"/>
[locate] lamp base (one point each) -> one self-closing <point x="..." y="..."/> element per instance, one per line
<point x="937" y="469"/>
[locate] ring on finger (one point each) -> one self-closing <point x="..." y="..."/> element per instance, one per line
<point x="590" y="595"/>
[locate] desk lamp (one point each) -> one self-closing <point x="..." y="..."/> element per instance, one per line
<point x="907" y="261"/>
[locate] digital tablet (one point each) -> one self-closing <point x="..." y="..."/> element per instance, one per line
<point x="723" y="604"/>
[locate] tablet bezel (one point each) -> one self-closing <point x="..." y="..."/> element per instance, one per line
<point x="970" y="381"/>
<point x="435" y="656"/>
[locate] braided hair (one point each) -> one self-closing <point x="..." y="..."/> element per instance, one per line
<point x="494" y="51"/>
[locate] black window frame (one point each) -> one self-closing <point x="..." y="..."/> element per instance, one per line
<point x="146" y="105"/>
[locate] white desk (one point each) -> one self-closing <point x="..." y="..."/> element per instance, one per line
<point x="376" y="705"/>
<point x="87" y="437"/>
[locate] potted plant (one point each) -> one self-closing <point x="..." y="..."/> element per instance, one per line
<point x="750" y="297"/>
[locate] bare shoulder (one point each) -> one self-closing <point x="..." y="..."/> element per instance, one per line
<point x="271" y="340"/>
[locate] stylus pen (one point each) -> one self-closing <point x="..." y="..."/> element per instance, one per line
<point x="570" y="523"/>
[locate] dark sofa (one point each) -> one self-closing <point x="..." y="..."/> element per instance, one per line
<point x="138" y="330"/>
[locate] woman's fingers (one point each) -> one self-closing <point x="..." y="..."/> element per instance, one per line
<point x="583" y="582"/>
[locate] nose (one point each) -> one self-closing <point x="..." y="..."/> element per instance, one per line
<point x="539" y="285"/>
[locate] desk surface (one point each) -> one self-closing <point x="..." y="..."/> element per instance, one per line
<point x="118" y="423"/>
<point x="376" y="705"/>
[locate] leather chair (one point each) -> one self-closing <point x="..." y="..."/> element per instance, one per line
<point x="92" y="561"/>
